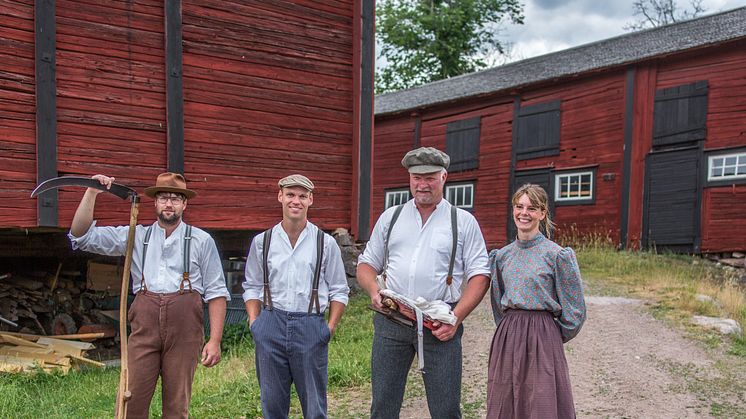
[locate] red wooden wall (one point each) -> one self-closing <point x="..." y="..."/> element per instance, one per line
<point x="592" y="135"/>
<point x="17" y="114"/>
<point x="723" y="225"/>
<point x="268" y="91"/>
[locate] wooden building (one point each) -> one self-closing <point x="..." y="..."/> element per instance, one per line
<point x="234" y="94"/>
<point x="640" y="138"/>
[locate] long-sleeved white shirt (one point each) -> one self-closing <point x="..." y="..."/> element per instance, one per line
<point x="419" y="254"/>
<point x="291" y="271"/>
<point x="164" y="260"/>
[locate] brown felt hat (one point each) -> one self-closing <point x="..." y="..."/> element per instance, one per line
<point x="296" y="180"/>
<point x="170" y="182"/>
<point x="425" y="160"/>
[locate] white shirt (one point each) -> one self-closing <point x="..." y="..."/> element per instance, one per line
<point x="419" y="254"/>
<point x="164" y="261"/>
<point x="291" y="271"/>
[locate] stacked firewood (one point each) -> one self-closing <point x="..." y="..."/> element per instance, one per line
<point x="57" y="302"/>
<point x="24" y="353"/>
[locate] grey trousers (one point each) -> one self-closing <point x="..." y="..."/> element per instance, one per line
<point x="394" y="348"/>
<point x="291" y="348"/>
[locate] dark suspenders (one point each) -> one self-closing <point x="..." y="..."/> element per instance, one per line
<point x="454" y="230"/>
<point x="267" y="299"/>
<point x="187" y="255"/>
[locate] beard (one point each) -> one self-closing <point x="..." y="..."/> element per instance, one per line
<point x="169" y="220"/>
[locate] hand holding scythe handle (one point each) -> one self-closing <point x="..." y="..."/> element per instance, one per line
<point x="124" y="192"/>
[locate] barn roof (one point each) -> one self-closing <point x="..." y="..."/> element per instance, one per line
<point x="612" y="52"/>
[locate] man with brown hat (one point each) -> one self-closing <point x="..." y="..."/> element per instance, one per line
<point x="294" y="271"/>
<point x="424" y="248"/>
<point x="174" y="267"/>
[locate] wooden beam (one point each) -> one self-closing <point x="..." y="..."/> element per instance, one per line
<point x="174" y="87"/>
<point x="365" y="174"/>
<point x="629" y="116"/>
<point x="46" y="109"/>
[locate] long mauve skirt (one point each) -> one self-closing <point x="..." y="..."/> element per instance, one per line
<point x="528" y="375"/>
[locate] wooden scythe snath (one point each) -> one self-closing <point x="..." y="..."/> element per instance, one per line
<point x="124" y="192"/>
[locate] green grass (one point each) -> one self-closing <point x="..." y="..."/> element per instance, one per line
<point x="228" y="390"/>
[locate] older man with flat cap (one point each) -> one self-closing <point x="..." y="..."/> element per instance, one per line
<point x="174" y="268"/>
<point x="423" y="248"/>
<point x="294" y="272"/>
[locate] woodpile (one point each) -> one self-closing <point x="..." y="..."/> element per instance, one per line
<point x="24" y="353"/>
<point x="59" y="301"/>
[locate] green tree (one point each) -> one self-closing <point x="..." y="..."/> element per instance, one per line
<point x="428" y="40"/>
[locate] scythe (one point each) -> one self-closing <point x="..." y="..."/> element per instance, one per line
<point x="123" y="192"/>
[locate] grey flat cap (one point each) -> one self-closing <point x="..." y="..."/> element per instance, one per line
<point x="425" y="160"/>
<point x="296" y="180"/>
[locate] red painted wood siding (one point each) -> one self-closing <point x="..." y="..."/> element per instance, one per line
<point x="111" y="114"/>
<point x="267" y="92"/>
<point x="17" y="114"/>
<point x="723" y="226"/>
<point x="393" y="138"/>
<point x="591" y="135"/>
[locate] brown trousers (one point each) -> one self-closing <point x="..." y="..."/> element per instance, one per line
<point x="166" y="339"/>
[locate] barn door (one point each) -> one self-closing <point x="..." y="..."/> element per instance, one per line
<point x="671" y="217"/>
<point x="542" y="178"/>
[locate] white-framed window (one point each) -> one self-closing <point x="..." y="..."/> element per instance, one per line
<point x="577" y="186"/>
<point x="396" y="197"/>
<point x="461" y="195"/>
<point x="726" y="167"/>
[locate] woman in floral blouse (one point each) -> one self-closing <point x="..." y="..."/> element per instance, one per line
<point x="537" y="301"/>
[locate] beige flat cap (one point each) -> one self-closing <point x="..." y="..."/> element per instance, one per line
<point x="296" y="180"/>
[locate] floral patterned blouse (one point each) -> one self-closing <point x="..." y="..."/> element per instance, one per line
<point x="538" y="274"/>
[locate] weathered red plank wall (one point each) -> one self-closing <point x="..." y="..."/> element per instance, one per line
<point x="17" y="114"/>
<point x="393" y="138"/>
<point x="723" y="225"/>
<point x="591" y="136"/>
<point x="111" y="94"/>
<point x="267" y="92"/>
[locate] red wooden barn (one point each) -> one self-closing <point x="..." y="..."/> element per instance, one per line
<point x="641" y="137"/>
<point x="234" y="94"/>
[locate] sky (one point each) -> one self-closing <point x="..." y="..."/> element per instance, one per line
<point x="554" y="25"/>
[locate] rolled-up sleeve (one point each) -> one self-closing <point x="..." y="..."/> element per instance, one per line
<point x="109" y="241"/>
<point x="569" y="286"/>
<point x="476" y="261"/>
<point x="335" y="276"/>
<point x="213" y="278"/>
<point x="253" y="275"/>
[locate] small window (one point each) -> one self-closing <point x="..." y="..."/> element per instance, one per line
<point x="573" y="187"/>
<point x="461" y="195"/>
<point x="462" y="144"/>
<point x="726" y="167"/>
<point x="396" y="197"/>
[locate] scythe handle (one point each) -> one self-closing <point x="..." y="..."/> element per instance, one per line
<point x="124" y="394"/>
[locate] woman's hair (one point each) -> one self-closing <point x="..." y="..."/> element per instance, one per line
<point x="539" y="198"/>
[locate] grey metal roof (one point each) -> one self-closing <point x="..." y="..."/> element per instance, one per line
<point x="624" y="49"/>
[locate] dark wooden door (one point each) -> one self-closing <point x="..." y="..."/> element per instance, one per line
<point x="672" y="201"/>
<point x="542" y="178"/>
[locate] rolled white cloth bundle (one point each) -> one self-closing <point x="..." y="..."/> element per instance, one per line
<point x="437" y="310"/>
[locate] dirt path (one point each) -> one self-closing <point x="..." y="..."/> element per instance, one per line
<point x="624" y="364"/>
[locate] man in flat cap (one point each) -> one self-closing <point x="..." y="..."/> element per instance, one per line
<point x="174" y="268"/>
<point x="294" y="272"/>
<point x="424" y="248"/>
